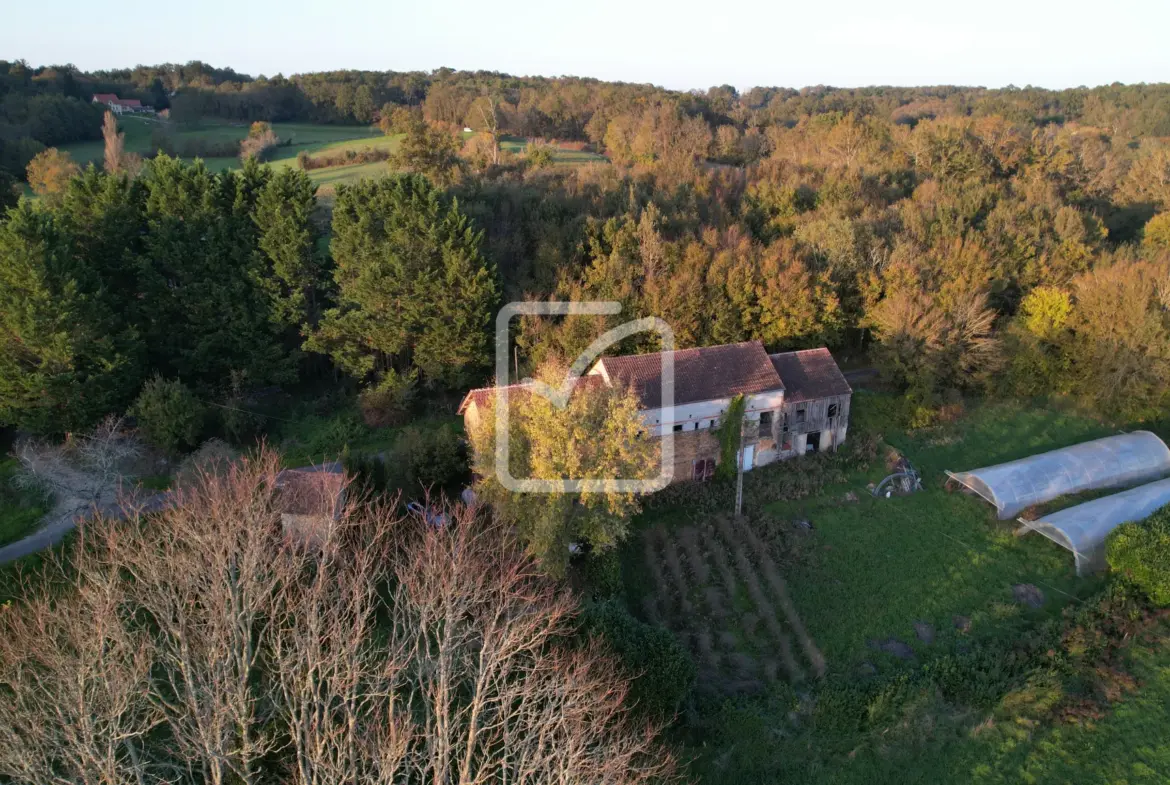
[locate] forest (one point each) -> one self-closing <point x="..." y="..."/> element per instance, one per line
<point x="1006" y="241"/>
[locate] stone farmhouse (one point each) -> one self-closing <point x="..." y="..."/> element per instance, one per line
<point x="120" y="105"/>
<point x="795" y="402"/>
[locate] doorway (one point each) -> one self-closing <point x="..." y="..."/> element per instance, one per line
<point x="813" y="443"/>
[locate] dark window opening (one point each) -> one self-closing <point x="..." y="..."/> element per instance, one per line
<point x="765" y="419"/>
<point x="832" y="410"/>
<point x="678" y="428"/>
<point x="703" y="469"/>
<point x="696" y="426"/>
<point x="800" y="415"/>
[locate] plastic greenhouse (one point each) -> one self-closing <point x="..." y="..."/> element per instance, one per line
<point x="1111" y="462"/>
<point x="1083" y="528"/>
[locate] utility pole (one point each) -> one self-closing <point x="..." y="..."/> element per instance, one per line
<point x="739" y="473"/>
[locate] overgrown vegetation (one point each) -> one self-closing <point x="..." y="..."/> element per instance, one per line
<point x="1139" y="553"/>
<point x="22" y="504"/>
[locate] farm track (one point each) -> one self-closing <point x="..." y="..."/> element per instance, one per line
<point x="720" y="590"/>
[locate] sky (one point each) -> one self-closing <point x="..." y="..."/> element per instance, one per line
<point x="679" y="44"/>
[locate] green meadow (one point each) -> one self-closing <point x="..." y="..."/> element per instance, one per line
<point x="295" y="138"/>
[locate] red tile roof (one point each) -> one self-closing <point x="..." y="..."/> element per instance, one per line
<point x="482" y="395"/>
<point x="809" y="374"/>
<point x="705" y="374"/>
<point x="110" y="98"/>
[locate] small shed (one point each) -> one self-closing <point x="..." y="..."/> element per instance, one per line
<point x="311" y="501"/>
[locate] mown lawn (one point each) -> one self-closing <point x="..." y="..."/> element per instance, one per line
<point x="873" y="568"/>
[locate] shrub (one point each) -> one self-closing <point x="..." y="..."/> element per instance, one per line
<point x="212" y="459"/>
<point x="435" y="457"/>
<point x="603" y="574"/>
<point x="662" y="671"/>
<point x="169" y="415"/>
<point x="346" y="157"/>
<point x="388" y="401"/>
<point x="1140" y="554"/>
<point x="539" y="156"/>
<point x="238" y="423"/>
<point x="259" y="147"/>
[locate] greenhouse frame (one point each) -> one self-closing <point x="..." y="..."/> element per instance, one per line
<point x="1083" y="528"/>
<point x="1111" y="462"/>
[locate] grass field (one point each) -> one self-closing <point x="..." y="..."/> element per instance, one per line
<point x="304" y="137"/>
<point x="881" y="587"/>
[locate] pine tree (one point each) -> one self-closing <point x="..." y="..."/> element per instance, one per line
<point x="295" y="274"/>
<point x="413" y="286"/>
<point x="205" y="313"/>
<point x="66" y="356"/>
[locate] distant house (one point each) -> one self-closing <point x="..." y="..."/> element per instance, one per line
<point x="795" y="402"/>
<point x="120" y="105"/>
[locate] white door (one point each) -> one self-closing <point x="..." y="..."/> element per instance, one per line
<point x="749" y="454"/>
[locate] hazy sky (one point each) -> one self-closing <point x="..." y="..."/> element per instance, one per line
<point x="677" y="43"/>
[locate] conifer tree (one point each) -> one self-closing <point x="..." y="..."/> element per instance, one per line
<point x="204" y="312"/>
<point x="413" y="287"/>
<point x="294" y="273"/>
<point x="66" y="355"/>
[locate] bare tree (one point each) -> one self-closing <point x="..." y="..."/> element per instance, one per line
<point x="115" y="144"/>
<point x="487" y="107"/>
<point x="208" y="644"/>
<point x="76" y="677"/>
<point x="208" y="588"/>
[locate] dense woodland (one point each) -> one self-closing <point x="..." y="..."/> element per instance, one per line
<point x="1012" y="241"/>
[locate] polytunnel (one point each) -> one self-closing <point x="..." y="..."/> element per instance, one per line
<point x="1115" y="461"/>
<point x="1083" y="528"/>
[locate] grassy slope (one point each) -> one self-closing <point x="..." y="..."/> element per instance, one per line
<point x="876" y="566"/>
<point x="307" y="137"/>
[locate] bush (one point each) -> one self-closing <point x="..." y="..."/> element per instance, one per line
<point x="1139" y="553"/>
<point x="427" y="458"/>
<point x="238" y="423"/>
<point x="539" y="156"/>
<point x="603" y="574"/>
<point x="259" y="147"/>
<point x="388" y="401"/>
<point x="662" y="671"/>
<point x="213" y="458"/>
<point x="346" y="157"/>
<point x="169" y="415"/>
